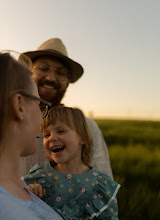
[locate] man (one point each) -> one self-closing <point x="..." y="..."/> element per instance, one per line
<point x="53" y="71"/>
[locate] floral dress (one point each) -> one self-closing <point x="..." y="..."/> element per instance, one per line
<point x="90" y="195"/>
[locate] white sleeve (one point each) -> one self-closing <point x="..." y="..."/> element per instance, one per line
<point x="100" y="156"/>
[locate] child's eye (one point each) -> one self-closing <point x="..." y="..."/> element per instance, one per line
<point x="61" y="131"/>
<point x="45" y="135"/>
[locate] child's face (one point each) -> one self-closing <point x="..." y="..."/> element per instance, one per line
<point x="62" y="143"/>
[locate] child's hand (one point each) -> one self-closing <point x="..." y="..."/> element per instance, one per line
<point x="36" y="189"/>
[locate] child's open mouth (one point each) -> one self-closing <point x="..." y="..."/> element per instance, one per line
<point x="58" y="149"/>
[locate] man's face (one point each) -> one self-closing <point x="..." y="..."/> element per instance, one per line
<point x="51" y="77"/>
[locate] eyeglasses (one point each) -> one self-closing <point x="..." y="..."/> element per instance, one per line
<point x="44" y="105"/>
<point x="43" y="69"/>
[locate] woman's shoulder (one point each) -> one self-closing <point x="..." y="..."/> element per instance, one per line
<point x="14" y="208"/>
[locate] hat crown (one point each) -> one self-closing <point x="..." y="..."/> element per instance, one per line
<point x="54" y="44"/>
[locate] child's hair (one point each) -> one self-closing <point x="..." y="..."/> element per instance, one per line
<point x="75" y="119"/>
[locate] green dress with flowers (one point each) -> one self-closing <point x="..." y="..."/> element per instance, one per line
<point x="90" y="195"/>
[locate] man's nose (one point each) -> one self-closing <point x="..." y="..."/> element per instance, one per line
<point x="51" y="76"/>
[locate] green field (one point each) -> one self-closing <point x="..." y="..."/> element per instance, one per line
<point x="134" y="149"/>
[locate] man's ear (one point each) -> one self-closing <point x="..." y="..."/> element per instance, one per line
<point x="68" y="84"/>
<point x="18" y="106"/>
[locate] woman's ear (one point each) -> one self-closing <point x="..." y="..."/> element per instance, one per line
<point x="81" y="142"/>
<point x="18" y="106"/>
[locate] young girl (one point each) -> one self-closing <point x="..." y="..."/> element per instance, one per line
<point x="77" y="190"/>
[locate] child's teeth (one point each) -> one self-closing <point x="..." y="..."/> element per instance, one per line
<point x="57" y="148"/>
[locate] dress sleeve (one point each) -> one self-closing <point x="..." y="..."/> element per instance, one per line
<point x="103" y="202"/>
<point x="36" y="175"/>
<point x="100" y="156"/>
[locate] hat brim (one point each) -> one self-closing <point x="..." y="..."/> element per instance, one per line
<point x="76" y="68"/>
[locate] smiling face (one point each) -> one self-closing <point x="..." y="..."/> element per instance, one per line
<point x="51" y="82"/>
<point x="62" y="144"/>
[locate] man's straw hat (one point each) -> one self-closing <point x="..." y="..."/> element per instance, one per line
<point x="55" y="47"/>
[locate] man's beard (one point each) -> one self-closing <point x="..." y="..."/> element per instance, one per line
<point x="56" y="99"/>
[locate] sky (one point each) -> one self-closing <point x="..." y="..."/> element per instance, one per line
<point x="116" y="41"/>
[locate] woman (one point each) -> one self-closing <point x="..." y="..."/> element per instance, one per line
<point x="20" y="119"/>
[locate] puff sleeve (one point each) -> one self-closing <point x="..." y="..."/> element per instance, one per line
<point x="36" y="175"/>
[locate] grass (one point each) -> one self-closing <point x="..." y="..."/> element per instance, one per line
<point x="127" y="132"/>
<point x="134" y="149"/>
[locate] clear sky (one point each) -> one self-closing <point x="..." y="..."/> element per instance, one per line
<point x="116" y="41"/>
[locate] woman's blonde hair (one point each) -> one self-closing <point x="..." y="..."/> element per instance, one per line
<point x="14" y="76"/>
<point x="75" y="119"/>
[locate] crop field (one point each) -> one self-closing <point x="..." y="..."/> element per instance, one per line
<point x="134" y="149"/>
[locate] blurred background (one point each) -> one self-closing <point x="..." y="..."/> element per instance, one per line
<point x="118" y="44"/>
